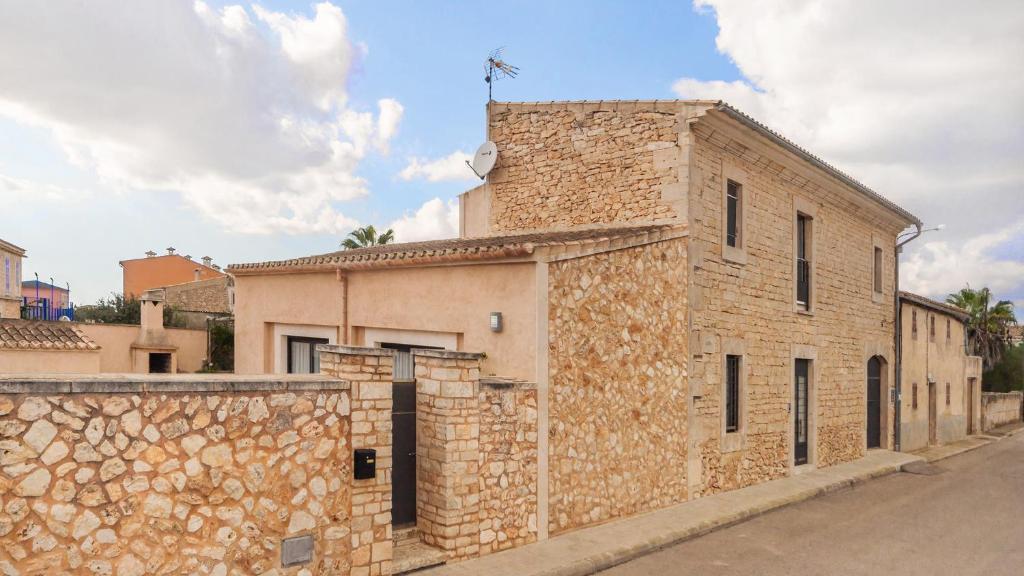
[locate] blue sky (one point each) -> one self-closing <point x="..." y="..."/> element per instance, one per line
<point x="137" y="126"/>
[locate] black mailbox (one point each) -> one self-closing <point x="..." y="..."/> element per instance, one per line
<point x="366" y="463"/>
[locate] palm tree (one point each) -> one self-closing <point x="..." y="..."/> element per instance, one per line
<point x="367" y="236"/>
<point x="988" y="325"/>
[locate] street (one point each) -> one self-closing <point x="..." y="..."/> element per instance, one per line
<point x="968" y="519"/>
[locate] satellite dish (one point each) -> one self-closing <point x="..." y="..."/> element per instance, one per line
<point x="484" y="159"/>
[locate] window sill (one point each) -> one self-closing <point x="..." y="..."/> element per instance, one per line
<point x="877" y="297"/>
<point x="732" y="441"/>
<point x="734" y="255"/>
<point x="803" y="311"/>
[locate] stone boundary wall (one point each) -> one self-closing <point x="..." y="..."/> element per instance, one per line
<point x="508" y="464"/>
<point x="172" y="475"/>
<point x="369" y="370"/>
<point x="999" y="408"/>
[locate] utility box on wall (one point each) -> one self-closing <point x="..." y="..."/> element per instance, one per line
<point x="365" y="466"/>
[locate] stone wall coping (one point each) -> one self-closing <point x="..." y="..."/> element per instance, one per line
<point x="1013" y="394"/>
<point x="448" y="354"/>
<point x="355" y="350"/>
<point x="160" y="383"/>
<point x="502" y="382"/>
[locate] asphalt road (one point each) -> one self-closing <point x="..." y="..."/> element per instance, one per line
<point x="968" y="519"/>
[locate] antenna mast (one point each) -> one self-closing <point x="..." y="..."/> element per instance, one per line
<point x="496" y="69"/>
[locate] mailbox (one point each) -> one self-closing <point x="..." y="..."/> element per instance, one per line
<point x="365" y="463"/>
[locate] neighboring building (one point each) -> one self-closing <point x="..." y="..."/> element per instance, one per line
<point x="154" y="271"/>
<point x="10" y="290"/>
<point x="35" y="291"/>
<point x="200" y="300"/>
<point x="941" y="382"/>
<point x="693" y="303"/>
<point x="1016" y="334"/>
<point x="36" y="346"/>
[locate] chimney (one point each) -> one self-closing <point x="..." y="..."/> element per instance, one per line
<point x="188" y="256"/>
<point x="170" y="250"/>
<point x="196" y="272"/>
<point x="215" y="267"/>
<point x="150" y="254"/>
<point x="152" y="319"/>
<point x="207" y="261"/>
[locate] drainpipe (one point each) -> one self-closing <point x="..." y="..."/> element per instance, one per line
<point x="898" y="339"/>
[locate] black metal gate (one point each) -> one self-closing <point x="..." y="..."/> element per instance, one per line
<point x="874" y="394"/>
<point x="403" y="476"/>
<point x="800" y="416"/>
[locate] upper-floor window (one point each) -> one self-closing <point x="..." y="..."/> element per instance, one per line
<point x="947" y="393"/>
<point x="803" y="261"/>
<point x="878" y="270"/>
<point x="949" y="331"/>
<point x="931" y="328"/>
<point x="733" y="222"/>
<point x="913" y="323"/>
<point x="732" y="393"/>
<point x="7" y="275"/>
<point x="914" y="399"/>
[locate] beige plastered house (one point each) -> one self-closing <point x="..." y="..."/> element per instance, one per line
<point x="695" y="300"/>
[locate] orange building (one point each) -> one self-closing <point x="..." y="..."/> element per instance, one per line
<point x="154" y="271"/>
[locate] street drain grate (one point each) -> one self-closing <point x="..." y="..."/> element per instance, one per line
<point x="922" y="469"/>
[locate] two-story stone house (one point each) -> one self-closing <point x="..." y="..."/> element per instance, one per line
<point x="690" y="303"/>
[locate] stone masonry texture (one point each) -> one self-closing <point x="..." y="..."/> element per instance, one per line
<point x="508" y="465"/>
<point x="618" y="404"/>
<point x="560" y="166"/>
<point x="179" y="483"/>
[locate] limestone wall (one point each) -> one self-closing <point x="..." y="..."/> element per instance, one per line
<point x="617" y="401"/>
<point x="999" y="408"/>
<point x="569" y="164"/>
<point x="508" y="464"/>
<point x="743" y="303"/>
<point x="173" y="476"/>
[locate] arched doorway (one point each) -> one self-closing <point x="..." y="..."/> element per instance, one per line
<point x="874" y="404"/>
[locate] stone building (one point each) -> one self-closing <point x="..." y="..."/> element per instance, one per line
<point x="692" y="302"/>
<point x="10" y="291"/>
<point x="941" y="381"/>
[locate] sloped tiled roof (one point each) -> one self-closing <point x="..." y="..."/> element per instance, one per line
<point x="935" y="305"/>
<point x="455" y="249"/>
<point x="39" y="335"/>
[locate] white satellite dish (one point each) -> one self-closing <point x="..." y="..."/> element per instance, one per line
<point x="484" y="159"/>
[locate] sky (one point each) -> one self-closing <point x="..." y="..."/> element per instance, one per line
<point x="259" y="131"/>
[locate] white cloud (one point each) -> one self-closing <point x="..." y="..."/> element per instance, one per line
<point x="939" y="268"/>
<point x="26" y="193"/>
<point x="449" y="168"/>
<point x="242" y="111"/>
<point x="919" y="99"/>
<point x="434" y="219"/>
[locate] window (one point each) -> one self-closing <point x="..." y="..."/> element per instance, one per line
<point x="878" y="270"/>
<point x="913" y="329"/>
<point x="302" y="355"/>
<point x="949" y="331"/>
<point x="734" y="226"/>
<point x="803" y="261"/>
<point x="931" y="328"/>
<point x="947" y="393"/>
<point x="732" y="393"/>
<point x="7" y="275"/>
<point x="914" y="397"/>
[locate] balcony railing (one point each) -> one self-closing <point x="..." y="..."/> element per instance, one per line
<point x="43" y="309"/>
<point x="803" y="283"/>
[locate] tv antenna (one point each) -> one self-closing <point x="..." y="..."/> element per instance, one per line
<point x="496" y="70"/>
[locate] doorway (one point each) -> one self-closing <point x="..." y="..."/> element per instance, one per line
<point x="874" y="403"/>
<point x="971" y="383"/>
<point x="933" y="410"/>
<point x="801" y="389"/>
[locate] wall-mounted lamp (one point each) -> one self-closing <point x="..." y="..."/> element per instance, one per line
<point x="496" y="322"/>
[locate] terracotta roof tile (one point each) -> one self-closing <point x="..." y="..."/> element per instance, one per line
<point x="455" y="249"/>
<point x="40" y="335"/>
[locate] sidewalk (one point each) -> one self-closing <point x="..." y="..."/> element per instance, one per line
<point x="589" y="550"/>
<point x="936" y="453"/>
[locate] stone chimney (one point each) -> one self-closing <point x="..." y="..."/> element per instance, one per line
<point x="151" y="329"/>
<point x="207" y="261"/>
<point x="170" y="250"/>
<point x="150" y="254"/>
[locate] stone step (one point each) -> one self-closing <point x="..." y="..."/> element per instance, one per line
<point x="404" y="536"/>
<point x="416" y="556"/>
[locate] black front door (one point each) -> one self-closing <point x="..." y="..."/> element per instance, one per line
<point x="403" y="477"/>
<point x="874" y="403"/>
<point x="800" y="416"/>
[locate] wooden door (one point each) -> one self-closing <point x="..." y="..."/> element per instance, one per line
<point x="874" y="404"/>
<point x="933" y="410"/>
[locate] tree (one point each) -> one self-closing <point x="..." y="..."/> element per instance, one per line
<point x="120" y="310"/>
<point x="367" y="236"/>
<point x="988" y="325"/>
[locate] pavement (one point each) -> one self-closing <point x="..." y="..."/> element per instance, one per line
<point x="955" y="515"/>
<point x="591" y="550"/>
